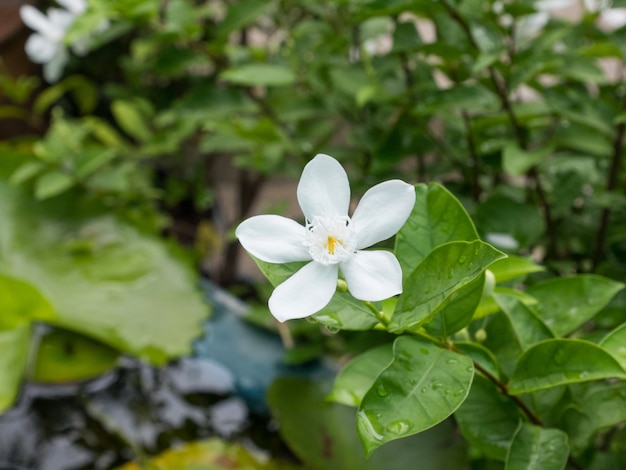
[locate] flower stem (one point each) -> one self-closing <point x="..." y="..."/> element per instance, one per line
<point x="379" y="315"/>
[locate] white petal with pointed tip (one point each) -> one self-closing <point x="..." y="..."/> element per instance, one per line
<point x="372" y="275"/>
<point x="306" y="292"/>
<point x="323" y="190"/>
<point x="273" y="238"/>
<point x="382" y="211"/>
<point x="39" y="22"/>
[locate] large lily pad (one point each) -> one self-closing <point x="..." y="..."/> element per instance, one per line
<point x="103" y="277"/>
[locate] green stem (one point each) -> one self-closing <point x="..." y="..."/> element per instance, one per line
<point x="379" y="315"/>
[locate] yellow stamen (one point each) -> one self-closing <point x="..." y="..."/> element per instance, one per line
<point x="331" y="244"/>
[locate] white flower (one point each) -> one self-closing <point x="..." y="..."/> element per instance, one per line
<point x="609" y="18"/>
<point x="46" y="45"/>
<point x="331" y="240"/>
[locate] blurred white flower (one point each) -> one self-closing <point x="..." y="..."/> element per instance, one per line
<point x="46" y="45"/>
<point x="608" y="18"/>
<point x="532" y="24"/>
<point x="331" y="240"/>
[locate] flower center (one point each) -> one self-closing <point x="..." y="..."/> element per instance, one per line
<point x="330" y="240"/>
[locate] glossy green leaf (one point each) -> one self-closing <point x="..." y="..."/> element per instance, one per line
<point x="103" y="277"/>
<point x="328" y="438"/>
<point x="527" y="326"/>
<point x="489" y="306"/>
<point x="488" y="419"/>
<point x="557" y="362"/>
<point x="537" y="448"/>
<point x="513" y="267"/>
<point x="565" y="304"/>
<point x="435" y="282"/>
<point x="14" y="345"/>
<point x="437" y="218"/>
<point x="480" y="355"/>
<point x="615" y="343"/>
<point x="422" y="386"/>
<point x="20" y="303"/>
<point x="459" y="312"/>
<point x="344" y="312"/>
<point x="259" y="75"/>
<point x="595" y="407"/>
<point x="357" y="376"/>
<point x="63" y="356"/>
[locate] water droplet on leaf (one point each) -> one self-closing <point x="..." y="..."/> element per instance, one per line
<point x="399" y="427"/>
<point x="381" y="390"/>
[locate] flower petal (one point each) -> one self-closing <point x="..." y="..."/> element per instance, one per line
<point x="372" y="275"/>
<point x="40" y="49"/>
<point x="39" y="22"/>
<point x="382" y="211"/>
<point x="308" y="291"/>
<point x="77" y="7"/>
<point x="273" y="238"/>
<point x="62" y="19"/>
<point x="324" y="190"/>
<point x="53" y="70"/>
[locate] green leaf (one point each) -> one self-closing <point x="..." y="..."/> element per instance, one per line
<point x="422" y="386"/>
<point x="259" y="75"/>
<point x="130" y="118"/>
<point x="537" y="448"/>
<point x="480" y="355"/>
<point x="103" y="277"/>
<point x="27" y="171"/>
<point x="20" y="303"/>
<point x="459" y="312"/>
<point x="513" y="267"/>
<point x="615" y="344"/>
<point x="596" y="406"/>
<point x="239" y="15"/>
<point x="565" y="304"/>
<point x="557" y="362"/>
<point x="85" y="93"/>
<point x="63" y="356"/>
<point x="329" y="441"/>
<point x="344" y="312"/>
<point x="517" y="162"/>
<point x="358" y="375"/>
<point x="52" y="183"/>
<point x="13" y="358"/>
<point x="211" y="454"/>
<point x="437" y="218"/>
<point x="488" y="419"/>
<point x="434" y="283"/>
<point x="527" y="326"/>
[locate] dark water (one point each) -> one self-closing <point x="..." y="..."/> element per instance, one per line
<point x="134" y="411"/>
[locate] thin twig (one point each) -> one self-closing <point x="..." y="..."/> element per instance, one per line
<point x="611" y="184"/>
